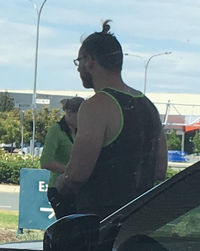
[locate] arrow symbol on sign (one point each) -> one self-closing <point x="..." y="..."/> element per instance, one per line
<point x="49" y="210"/>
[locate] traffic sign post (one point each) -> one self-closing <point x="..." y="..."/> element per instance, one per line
<point x="35" y="211"/>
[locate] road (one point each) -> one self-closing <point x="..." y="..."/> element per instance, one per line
<point x="9" y="201"/>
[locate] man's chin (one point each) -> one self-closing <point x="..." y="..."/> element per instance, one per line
<point x="88" y="85"/>
<point x="87" y="81"/>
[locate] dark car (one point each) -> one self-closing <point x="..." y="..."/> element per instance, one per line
<point x="165" y="218"/>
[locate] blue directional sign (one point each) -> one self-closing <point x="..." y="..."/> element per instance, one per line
<point x="35" y="212"/>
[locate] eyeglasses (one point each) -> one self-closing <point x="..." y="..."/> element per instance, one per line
<point x="76" y="61"/>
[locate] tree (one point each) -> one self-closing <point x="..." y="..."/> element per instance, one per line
<point x="196" y="142"/>
<point x="173" y="141"/>
<point x="6" y="102"/>
<point x="10" y="127"/>
<point x="44" y="119"/>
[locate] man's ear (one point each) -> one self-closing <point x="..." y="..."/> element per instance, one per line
<point x="89" y="63"/>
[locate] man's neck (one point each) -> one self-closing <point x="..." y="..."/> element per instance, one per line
<point x="68" y="122"/>
<point x="104" y="80"/>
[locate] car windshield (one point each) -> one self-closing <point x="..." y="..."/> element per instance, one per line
<point x="186" y="227"/>
<point x="179" y="234"/>
<point x="165" y="213"/>
<point x="42" y="68"/>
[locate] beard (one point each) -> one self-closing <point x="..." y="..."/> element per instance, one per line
<point x="87" y="80"/>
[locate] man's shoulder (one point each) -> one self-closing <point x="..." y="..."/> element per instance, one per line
<point x="132" y="91"/>
<point x="96" y="100"/>
<point x="95" y="107"/>
<point x="54" y="127"/>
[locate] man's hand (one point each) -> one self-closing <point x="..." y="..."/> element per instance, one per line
<point x="61" y="184"/>
<point x="65" y="186"/>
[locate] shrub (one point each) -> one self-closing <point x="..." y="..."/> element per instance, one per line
<point x="172" y="171"/>
<point x="11" y="164"/>
<point x="196" y="142"/>
<point x="173" y="141"/>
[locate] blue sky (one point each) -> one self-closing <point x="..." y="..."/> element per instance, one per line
<point x="144" y="28"/>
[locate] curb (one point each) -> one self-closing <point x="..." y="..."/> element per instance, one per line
<point x="5" y="188"/>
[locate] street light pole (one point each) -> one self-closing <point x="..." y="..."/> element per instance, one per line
<point x="147" y="64"/>
<point x="133" y="55"/>
<point x="21" y="111"/>
<point x="35" y="72"/>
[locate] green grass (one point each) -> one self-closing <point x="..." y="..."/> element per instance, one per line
<point x="9" y="227"/>
<point x="31" y="235"/>
<point x="8" y="219"/>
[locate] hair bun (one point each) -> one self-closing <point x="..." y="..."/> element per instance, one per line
<point x="106" y="26"/>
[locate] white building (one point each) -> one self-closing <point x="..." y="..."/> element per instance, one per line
<point x="178" y="111"/>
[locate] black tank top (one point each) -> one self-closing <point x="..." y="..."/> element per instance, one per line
<point x="126" y="165"/>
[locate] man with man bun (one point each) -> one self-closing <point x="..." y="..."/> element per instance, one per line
<point x="119" y="149"/>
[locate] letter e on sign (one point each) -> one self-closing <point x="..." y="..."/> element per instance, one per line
<point x="42" y="186"/>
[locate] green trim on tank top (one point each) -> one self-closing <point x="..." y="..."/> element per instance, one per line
<point x="122" y="119"/>
<point x="124" y="92"/>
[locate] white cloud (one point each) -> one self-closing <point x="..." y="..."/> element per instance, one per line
<point x="177" y="20"/>
<point x="144" y="27"/>
<point x="18" y="43"/>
